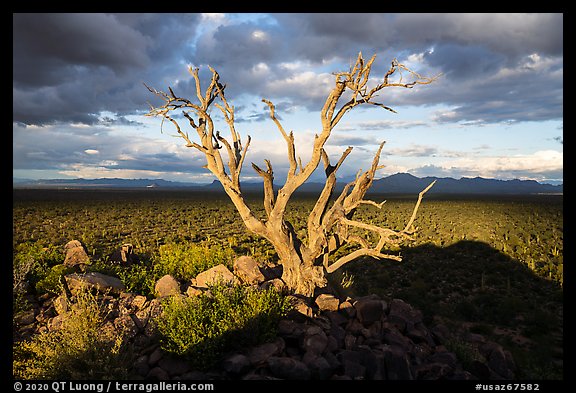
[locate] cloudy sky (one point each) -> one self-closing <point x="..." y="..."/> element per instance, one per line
<point x="497" y="110"/>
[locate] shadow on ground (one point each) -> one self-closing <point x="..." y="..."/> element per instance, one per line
<point x="470" y="285"/>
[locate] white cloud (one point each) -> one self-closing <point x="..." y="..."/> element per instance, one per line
<point x="259" y="35"/>
<point x="380" y="124"/>
<point x="213" y="16"/>
<point x="516" y="166"/>
<point x="307" y="84"/>
<point x="91" y="151"/>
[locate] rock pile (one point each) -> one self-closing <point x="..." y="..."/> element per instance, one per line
<point x="331" y="338"/>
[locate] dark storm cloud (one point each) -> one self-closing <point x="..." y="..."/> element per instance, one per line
<point x="473" y="51"/>
<point x="508" y="34"/>
<point x="48" y="47"/>
<point x="70" y="67"/>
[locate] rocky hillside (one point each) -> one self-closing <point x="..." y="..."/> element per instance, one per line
<point x="322" y="338"/>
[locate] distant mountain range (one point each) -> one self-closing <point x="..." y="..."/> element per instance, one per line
<point x="400" y="183"/>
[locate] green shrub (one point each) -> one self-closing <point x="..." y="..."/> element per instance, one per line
<point x="184" y="261"/>
<point x="36" y="259"/>
<point x="138" y="279"/>
<point x="225" y="318"/>
<point x="51" y="282"/>
<point x="79" y="349"/>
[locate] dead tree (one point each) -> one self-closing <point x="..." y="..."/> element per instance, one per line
<point x="305" y="261"/>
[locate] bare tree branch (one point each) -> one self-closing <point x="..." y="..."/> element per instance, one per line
<point x="420" y="196"/>
<point x="305" y="263"/>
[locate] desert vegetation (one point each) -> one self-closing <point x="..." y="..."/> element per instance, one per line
<point x="493" y="266"/>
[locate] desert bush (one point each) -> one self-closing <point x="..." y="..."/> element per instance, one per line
<point x="184" y="261"/>
<point x="138" y="279"/>
<point x="36" y="259"/>
<point x="51" y="282"/>
<point x="203" y="328"/>
<point x="79" y="349"/>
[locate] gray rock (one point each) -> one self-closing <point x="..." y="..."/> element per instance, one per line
<point x="327" y="302"/>
<point x="347" y="309"/>
<point x="174" y="366"/>
<point x="301" y="310"/>
<point x="26" y="317"/>
<point x="247" y="270"/>
<point x="320" y="368"/>
<point x="440" y="333"/>
<point x="370" y="362"/>
<point x="395" y="338"/>
<point x="139" y="302"/>
<point x="75" y="254"/>
<point x="236" y="364"/>
<point x="126" y="326"/>
<point x="155" y="357"/>
<point x="192" y="291"/>
<point x="167" y="286"/>
<point x="433" y="371"/>
<point x="94" y="280"/>
<point x="396" y="363"/>
<point x="447" y="358"/>
<point x="479" y="369"/>
<point x="215" y="275"/>
<point x="57" y="322"/>
<point x="141" y="366"/>
<point x="288" y="368"/>
<point x="60" y="304"/>
<point x="315" y="340"/>
<point x="275" y="283"/>
<point x="158" y="373"/>
<point x="194" y="376"/>
<point x="354" y="370"/>
<point x="259" y="354"/>
<point x="124" y="255"/>
<point x="499" y="363"/>
<point x="369" y="310"/>
<point x="419" y="334"/>
<point x="403" y="315"/>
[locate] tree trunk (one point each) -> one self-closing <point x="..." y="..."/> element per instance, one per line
<point x="302" y="277"/>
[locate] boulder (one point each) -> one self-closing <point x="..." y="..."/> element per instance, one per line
<point x="167" y="286"/>
<point x="140" y="366"/>
<point x="158" y="373"/>
<point x="320" y="368"/>
<point x="60" y="304"/>
<point x="396" y="364"/>
<point x="126" y="326"/>
<point x="347" y="309"/>
<point x="369" y="310"/>
<point x="247" y="270"/>
<point x="275" y="283"/>
<point x="315" y="340"/>
<point x="288" y="368"/>
<point x="174" y="366"/>
<point x="25" y="317"/>
<point x="75" y="255"/>
<point x="215" y="275"/>
<point x="403" y="315"/>
<point x="327" y="302"/>
<point x="301" y="309"/>
<point x="236" y="364"/>
<point x="94" y="280"/>
<point x="259" y="354"/>
<point x="124" y="255"/>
